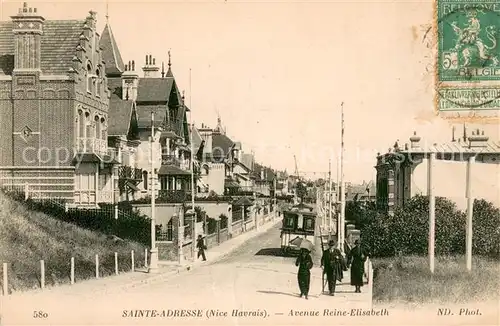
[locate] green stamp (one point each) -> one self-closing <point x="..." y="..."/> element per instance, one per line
<point x="468" y="40"/>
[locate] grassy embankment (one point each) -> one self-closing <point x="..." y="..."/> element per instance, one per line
<point x="27" y="236"/>
<point x="408" y="279"/>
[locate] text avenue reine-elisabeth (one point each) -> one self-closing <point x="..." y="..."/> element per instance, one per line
<point x="354" y="312"/>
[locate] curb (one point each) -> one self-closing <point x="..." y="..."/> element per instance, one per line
<point x="190" y="266"/>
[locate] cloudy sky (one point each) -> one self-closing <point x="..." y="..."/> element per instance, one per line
<point x="277" y="71"/>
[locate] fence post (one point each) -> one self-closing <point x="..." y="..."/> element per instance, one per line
<point x="5" y="280"/>
<point x="116" y="212"/>
<point x="72" y="270"/>
<point x="96" y="266"/>
<point x="133" y="261"/>
<point x="146" y="257"/>
<point x="116" y="263"/>
<point x="42" y="274"/>
<point x="26" y="190"/>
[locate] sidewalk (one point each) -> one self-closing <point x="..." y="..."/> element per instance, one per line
<point x="141" y="276"/>
<point x="227" y="247"/>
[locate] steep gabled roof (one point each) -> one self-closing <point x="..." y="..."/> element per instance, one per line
<point x="221" y="146"/>
<point x="247" y="160"/>
<point x="58" y="46"/>
<point x="111" y="54"/>
<point x="198" y="143"/>
<point x="144" y="115"/>
<point x="154" y="89"/>
<point x="120" y="111"/>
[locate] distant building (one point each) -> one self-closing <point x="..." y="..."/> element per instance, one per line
<point x="402" y="172"/>
<point x="365" y="192"/>
<point x="218" y="155"/>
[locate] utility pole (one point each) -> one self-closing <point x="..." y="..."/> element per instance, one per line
<point x="153" y="265"/>
<point x="192" y="171"/>
<point x="470" y="208"/>
<point x="432" y="209"/>
<point x="330" y="199"/>
<point x="342" y="182"/>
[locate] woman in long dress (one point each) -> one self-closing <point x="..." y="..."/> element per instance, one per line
<point x="305" y="263"/>
<point x="356" y="259"/>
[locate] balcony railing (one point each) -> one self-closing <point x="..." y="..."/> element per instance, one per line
<point x="174" y="196"/>
<point x="168" y="159"/>
<point x="129" y="173"/>
<point x="172" y="125"/>
<point x="92" y="145"/>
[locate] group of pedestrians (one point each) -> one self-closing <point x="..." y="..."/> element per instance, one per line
<point x="334" y="265"/>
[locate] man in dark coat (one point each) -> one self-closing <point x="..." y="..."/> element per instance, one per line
<point x="356" y="258"/>
<point x="331" y="261"/>
<point x="200" y="244"/>
<point x="305" y="263"/>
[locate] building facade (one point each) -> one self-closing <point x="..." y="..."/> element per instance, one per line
<point x="402" y="172"/>
<point x="217" y="159"/>
<point x="54" y="109"/>
<point x="151" y="131"/>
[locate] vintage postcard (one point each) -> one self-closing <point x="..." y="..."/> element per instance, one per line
<point x="249" y="162"/>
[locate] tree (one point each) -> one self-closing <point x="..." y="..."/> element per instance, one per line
<point x="301" y="190"/>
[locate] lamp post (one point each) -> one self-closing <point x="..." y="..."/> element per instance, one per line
<point x="153" y="265"/>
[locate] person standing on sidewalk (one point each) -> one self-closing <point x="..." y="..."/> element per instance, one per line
<point x="331" y="261"/>
<point x="356" y="259"/>
<point x="200" y="244"/>
<point x="305" y="263"/>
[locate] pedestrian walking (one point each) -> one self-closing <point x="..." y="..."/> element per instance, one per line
<point x="200" y="244"/>
<point x="331" y="261"/>
<point x="356" y="259"/>
<point x="305" y="263"/>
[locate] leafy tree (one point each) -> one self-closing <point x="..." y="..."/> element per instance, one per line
<point x="354" y="212"/>
<point x="301" y="190"/>
<point x="408" y="229"/>
<point x="486" y="229"/>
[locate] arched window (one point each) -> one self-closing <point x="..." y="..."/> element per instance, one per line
<point x="97" y="127"/>
<point x="89" y="77"/>
<point x="81" y="124"/>
<point x="98" y="83"/>
<point x="88" y="125"/>
<point x="103" y="129"/>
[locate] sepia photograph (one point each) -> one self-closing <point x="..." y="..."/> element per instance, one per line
<point x="220" y="162"/>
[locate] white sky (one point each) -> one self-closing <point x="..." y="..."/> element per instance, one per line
<point x="278" y="71"/>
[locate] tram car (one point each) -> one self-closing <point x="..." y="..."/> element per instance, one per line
<point x="296" y="224"/>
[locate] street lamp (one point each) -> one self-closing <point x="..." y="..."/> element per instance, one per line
<point x="153" y="265"/>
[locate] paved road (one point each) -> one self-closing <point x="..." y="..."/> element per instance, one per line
<point x="253" y="279"/>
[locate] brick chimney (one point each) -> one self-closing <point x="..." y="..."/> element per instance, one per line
<point x="27" y="29"/>
<point x="130" y="81"/>
<point x="150" y="69"/>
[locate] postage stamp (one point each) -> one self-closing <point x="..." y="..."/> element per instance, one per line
<point x="468" y="57"/>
